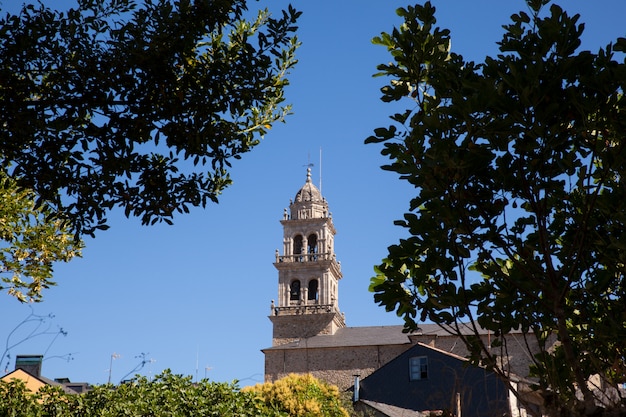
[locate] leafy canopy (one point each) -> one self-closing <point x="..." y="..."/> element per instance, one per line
<point x="139" y="106"/>
<point x="519" y="214"/>
<point x="300" y="395"/>
<point x="31" y="241"/>
<point x="164" y="396"/>
<point x="175" y="395"/>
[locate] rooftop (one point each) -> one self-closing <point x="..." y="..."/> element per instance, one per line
<point x="365" y="336"/>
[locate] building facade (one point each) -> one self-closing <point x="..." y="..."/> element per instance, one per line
<point x="424" y="378"/>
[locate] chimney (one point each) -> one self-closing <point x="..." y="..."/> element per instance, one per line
<point x="29" y="363"/>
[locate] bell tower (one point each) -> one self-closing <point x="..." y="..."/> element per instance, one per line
<point x="308" y="271"/>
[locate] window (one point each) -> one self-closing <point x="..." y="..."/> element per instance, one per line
<point x="312" y="290"/>
<point x="294" y="291"/>
<point x="418" y="368"/>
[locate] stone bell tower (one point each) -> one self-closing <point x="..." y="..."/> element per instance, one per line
<point x="308" y="271"/>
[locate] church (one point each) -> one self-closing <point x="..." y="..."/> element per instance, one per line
<point x="309" y="330"/>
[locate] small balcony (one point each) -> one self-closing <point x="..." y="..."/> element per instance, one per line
<point x="304" y="257"/>
<point x="303" y="309"/>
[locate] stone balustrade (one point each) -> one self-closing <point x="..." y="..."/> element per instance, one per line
<point x="303" y="309"/>
<point x="305" y="257"/>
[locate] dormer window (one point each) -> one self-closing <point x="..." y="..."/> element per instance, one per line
<point x="418" y="368"/>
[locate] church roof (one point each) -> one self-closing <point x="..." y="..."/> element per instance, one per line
<point x="356" y="336"/>
<point x="364" y="336"/>
<point x="308" y="192"/>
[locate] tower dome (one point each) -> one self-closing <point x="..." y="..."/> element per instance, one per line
<point x="309" y="203"/>
<point x="308" y="192"/>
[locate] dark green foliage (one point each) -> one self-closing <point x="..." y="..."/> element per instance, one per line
<point x="167" y="395"/>
<point x="15" y="400"/>
<point x="518" y="164"/>
<point x="137" y="106"/>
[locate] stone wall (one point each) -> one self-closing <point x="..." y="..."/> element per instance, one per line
<point x="336" y="365"/>
<point x="517" y="358"/>
<point x="290" y="328"/>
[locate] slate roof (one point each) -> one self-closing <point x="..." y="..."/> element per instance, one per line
<point x="392" y="411"/>
<point x="360" y="336"/>
<point x="363" y="336"/>
<point x="352" y="336"/>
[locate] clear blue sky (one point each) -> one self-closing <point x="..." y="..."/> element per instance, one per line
<point x="196" y="295"/>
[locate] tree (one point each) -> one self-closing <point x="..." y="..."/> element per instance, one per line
<point x="32" y="240"/>
<point x="16" y="400"/>
<point x="111" y="104"/>
<point x="170" y="394"/>
<point x="300" y="395"/>
<point x="166" y="395"/>
<point x="518" y="220"/>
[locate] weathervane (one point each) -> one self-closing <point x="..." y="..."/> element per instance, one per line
<point x="310" y="164"/>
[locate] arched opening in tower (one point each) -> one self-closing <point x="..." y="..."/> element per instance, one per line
<point x="312" y="247"/>
<point x="297" y="248"/>
<point x="313" y="293"/>
<point x="294" y="290"/>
